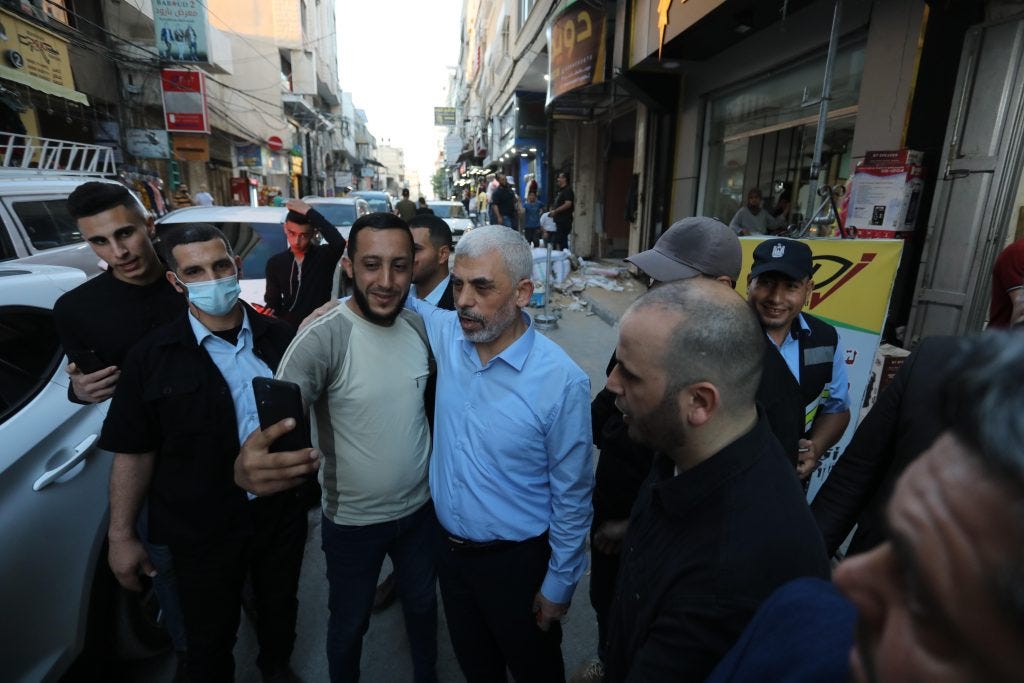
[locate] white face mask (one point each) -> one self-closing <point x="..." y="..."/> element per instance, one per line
<point x="215" y="297"/>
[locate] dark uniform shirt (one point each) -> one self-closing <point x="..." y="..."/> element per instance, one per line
<point x="294" y="291"/>
<point x="172" y="400"/>
<point x="563" y="219"/>
<point x="108" y="316"/>
<point x="704" y="548"/>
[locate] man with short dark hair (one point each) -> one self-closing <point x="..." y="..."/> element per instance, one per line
<point x="721" y="520"/>
<point x="302" y="278"/>
<point x="562" y="213"/>
<point x="106" y="316"/>
<point x="182" y="407"/>
<point x="752" y="219"/>
<point x="363" y="369"/>
<point x="804" y="391"/>
<point x="405" y="208"/>
<point x="503" y="204"/>
<point x="432" y="239"/>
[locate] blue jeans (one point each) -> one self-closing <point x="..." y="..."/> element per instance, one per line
<point x="354" y="557"/>
<point x="165" y="584"/>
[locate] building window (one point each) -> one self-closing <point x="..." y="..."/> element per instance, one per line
<point x="761" y="135"/>
<point x="525" y="7"/>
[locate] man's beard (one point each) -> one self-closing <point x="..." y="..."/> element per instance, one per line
<point x="490" y="329"/>
<point x="376" y="318"/>
<point x="661" y="429"/>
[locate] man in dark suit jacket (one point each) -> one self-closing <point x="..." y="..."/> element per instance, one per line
<point x="903" y="423"/>
<point x="433" y="243"/>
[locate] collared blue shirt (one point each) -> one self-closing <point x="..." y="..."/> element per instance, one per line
<point x="237" y="364"/>
<point x="512" y="445"/>
<point x="838" y="390"/>
<point x="434" y="296"/>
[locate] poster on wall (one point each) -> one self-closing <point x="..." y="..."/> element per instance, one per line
<point x="184" y="95"/>
<point x="181" y="28"/>
<point x="853" y="282"/>
<point x="576" y="49"/>
<point x="147" y="143"/>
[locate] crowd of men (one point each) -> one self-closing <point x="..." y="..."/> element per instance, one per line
<point x="454" y="438"/>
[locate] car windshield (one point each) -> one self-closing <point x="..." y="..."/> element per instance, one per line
<point x="338" y="214"/>
<point x="377" y="205"/>
<point x="270" y="240"/>
<point x="449" y="210"/>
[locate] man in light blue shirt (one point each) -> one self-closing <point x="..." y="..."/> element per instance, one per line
<point x="512" y="471"/>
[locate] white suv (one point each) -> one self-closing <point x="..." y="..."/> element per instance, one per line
<point x="36" y="177"/>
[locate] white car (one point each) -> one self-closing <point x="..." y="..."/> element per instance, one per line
<point x="454" y="214"/>
<point x="342" y="212"/>
<point x="53" y="490"/>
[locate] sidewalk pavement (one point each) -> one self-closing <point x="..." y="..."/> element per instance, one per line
<point x="608" y="297"/>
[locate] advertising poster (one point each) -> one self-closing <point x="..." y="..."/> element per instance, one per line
<point x="181" y="28"/>
<point x="145" y="143"/>
<point x="576" y="53"/>
<point x="853" y="282"/>
<point x="184" y="95"/>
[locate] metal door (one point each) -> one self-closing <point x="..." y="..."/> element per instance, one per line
<point x="977" y="183"/>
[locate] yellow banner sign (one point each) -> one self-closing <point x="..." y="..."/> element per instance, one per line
<point x="852" y="280"/>
<point x="33" y="51"/>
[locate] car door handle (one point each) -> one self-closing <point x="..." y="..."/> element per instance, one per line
<point x="56" y="473"/>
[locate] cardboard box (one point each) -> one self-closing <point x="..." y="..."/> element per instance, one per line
<point x="885" y="194"/>
<point x="888" y="360"/>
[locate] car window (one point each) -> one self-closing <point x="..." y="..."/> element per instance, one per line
<point x="448" y="210"/>
<point x="268" y="239"/>
<point x="47" y="222"/>
<point x="377" y="205"/>
<point x="338" y="214"/>
<point x="7" y="251"/>
<point x="29" y="354"/>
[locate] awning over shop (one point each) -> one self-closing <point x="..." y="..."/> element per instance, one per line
<point x="42" y="85"/>
<point x="44" y="65"/>
<point x="300" y="110"/>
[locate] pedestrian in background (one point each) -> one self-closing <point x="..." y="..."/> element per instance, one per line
<point x="405" y="208"/>
<point x="422" y="208"/>
<point x="182" y="198"/>
<point x="532" y="209"/>
<point x="562" y="212"/>
<point x="203" y="198"/>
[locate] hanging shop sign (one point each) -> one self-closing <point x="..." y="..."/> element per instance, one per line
<point x="853" y="282"/>
<point x="342" y="178"/>
<point x="249" y="156"/>
<point x="190" y="147"/>
<point x="444" y="116"/>
<point x="576" y="49"/>
<point x="664" y="21"/>
<point x="37" y="58"/>
<point x="182" y="28"/>
<point x="279" y="162"/>
<point x="147" y="143"/>
<point x="184" y="95"/>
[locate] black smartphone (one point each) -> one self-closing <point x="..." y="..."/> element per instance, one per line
<point x="275" y="401"/>
<point x="87" y="361"/>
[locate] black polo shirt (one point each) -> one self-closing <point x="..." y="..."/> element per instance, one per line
<point x="108" y="316"/>
<point x="703" y="550"/>
<point x="293" y="298"/>
<point x="172" y="400"/>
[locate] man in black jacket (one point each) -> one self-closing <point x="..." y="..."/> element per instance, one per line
<point x="433" y="243"/>
<point x="721" y="521"/>
<point x="302" y="278"/>
<point x="183" y="405"/>
<point x="901" y="425"/>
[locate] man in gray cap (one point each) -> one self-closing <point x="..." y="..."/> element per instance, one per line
<point x="692" y="247"/>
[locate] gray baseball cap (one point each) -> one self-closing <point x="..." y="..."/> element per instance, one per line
<point x="692" y="247"/>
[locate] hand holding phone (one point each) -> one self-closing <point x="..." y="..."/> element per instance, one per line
<point x="277" y="400"/>
<point x="86" y="361"/>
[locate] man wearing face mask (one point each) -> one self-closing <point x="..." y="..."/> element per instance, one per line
<point x="183" y="405"/>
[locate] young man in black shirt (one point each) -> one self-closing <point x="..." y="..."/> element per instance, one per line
<point x="563" y="211"/>
<point x="107" y="316"/>
<point x="300" y="279"/>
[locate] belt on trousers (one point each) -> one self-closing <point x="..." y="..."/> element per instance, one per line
<point x="460" y="543"/>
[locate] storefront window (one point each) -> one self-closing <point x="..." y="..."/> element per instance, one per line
<point x="762" y="135"/>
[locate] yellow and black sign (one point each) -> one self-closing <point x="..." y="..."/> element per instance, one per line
<point x="576" y="49"/>
<point x="35" y="57"/>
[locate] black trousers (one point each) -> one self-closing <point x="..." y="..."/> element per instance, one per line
<point x="488" y="603"/>
<point x="210" y="580"/>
